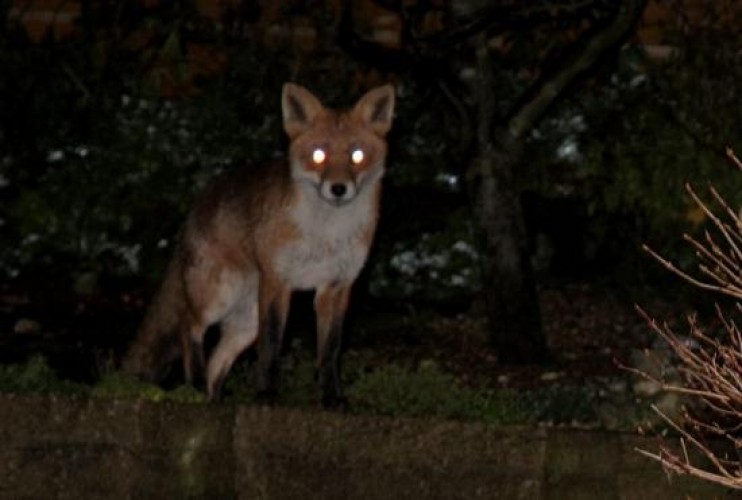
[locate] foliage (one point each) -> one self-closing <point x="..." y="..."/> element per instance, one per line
<point x="36" y="377"/>
<point x="627" y="146"/>
<point x="438" y="265"/>
<point x="111" y="196"/>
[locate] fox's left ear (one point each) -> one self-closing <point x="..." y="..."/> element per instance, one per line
<point x="376" y="108"/>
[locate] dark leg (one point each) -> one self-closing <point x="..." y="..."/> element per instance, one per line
<point x="274" y="306"/>
<point x="330" y="305"/>
<point x="193" y="354"/>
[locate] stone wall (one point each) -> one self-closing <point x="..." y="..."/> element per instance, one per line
<point x="71" y="448"/>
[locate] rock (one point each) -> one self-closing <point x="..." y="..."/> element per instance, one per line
<point x="647" y="388"/>
<point x="26" y="326"/>
<point x="551" y="376"/>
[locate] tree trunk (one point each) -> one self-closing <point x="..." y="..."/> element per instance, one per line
<point x="508" y="282"/>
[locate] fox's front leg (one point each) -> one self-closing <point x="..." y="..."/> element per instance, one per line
<point x="330" y="304"/>
<point x="273" y="309"/>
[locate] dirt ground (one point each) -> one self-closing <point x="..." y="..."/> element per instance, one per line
<point x="590" y="333"/>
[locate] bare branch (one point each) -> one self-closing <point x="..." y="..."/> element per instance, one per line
<point x="736" y="251"/>
<point x="687" y="277"/>
<point x="733" y="158"/>
<point x="550" y="87"/>
<point x="710" y="367"/>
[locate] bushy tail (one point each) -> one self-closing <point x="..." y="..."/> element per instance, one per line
<point x="157" y="343"/>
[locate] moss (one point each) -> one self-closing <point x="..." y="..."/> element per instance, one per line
<point x="119" y="385"/>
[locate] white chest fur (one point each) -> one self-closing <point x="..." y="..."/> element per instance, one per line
<point x="333" y="245"/>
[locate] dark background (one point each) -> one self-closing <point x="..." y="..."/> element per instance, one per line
<point x="113" y="115"/>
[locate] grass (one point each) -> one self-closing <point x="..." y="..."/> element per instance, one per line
<point x="428" y="391"/>
<point x="118" y="385"/>
<point x="425" y="390"/>
<point x="36" y="377"/>
<point x="386" y="390"/>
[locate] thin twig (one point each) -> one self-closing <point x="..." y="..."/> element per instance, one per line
<point x="733" y="158"/>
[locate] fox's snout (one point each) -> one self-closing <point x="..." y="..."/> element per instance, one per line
<point x="337" y="192"/>
<point x="334" y="184"/>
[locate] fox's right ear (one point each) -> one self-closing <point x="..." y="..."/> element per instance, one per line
<point x="300" y="108"/>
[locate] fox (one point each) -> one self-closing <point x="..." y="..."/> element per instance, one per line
<point x="305" y="221"/>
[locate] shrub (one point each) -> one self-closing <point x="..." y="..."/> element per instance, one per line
<point x="710" y="366"/>
<point x="35" y="376"/>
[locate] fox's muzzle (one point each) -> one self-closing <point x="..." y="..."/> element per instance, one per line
<point x="337" y="192"/>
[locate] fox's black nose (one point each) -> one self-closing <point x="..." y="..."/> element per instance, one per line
<point x="338" y="190"/>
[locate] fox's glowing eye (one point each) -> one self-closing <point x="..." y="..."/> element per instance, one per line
<point x="357" y="156"/>
<point x="318" y="156"/>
